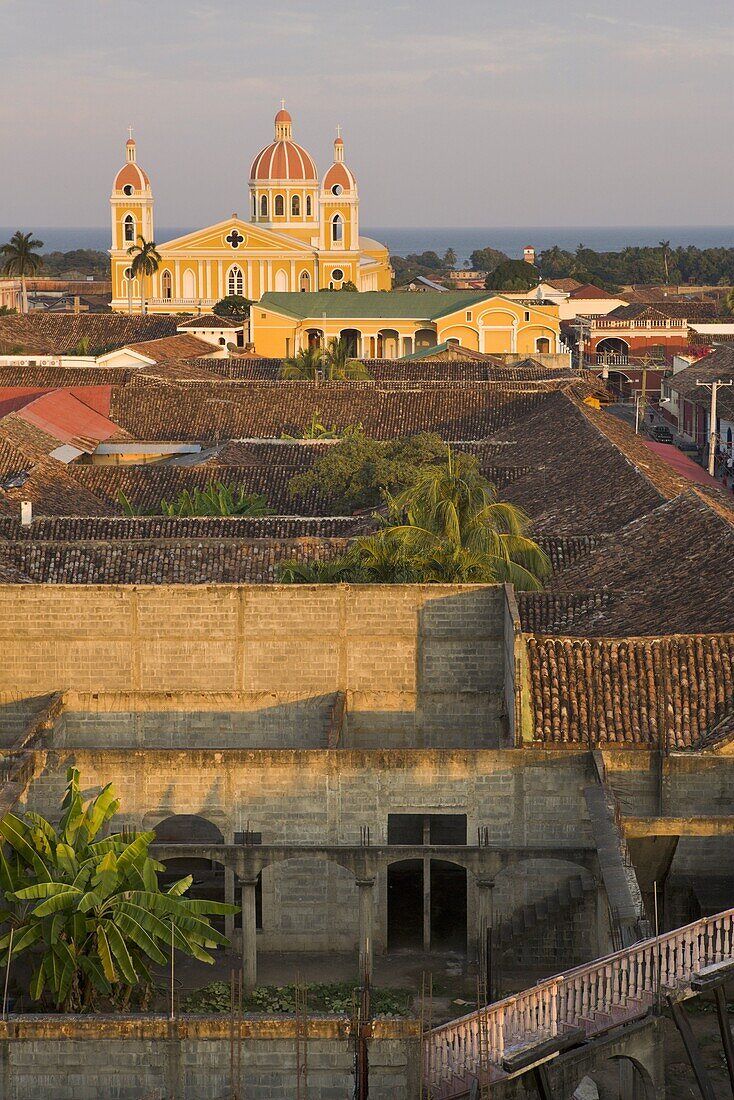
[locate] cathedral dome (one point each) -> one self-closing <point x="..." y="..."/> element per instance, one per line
<point x="283" y="159"/>
<point x="131" y="174"/>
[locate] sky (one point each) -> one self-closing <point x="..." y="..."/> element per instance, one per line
<point x="471" y="113"/>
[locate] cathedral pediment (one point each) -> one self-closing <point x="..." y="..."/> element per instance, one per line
<point x="233" y="237"/>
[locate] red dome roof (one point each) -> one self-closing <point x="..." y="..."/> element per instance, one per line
<point x="283" y="116"/>
<point x="339" y="174"/>
<point x="132" y="174"/>
<point x="283" y="160"/>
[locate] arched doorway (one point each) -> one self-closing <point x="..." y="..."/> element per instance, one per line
<point x="620" y="1078"/>
<point x="542" y="345"/>
<point x="388" y="344"/>
<point x="304" y="282"/>
<point x="425" y="338"/>
<point x="208" y="875"/>
<point x="612" y="350"/>
<point x="313" y="338"/>
<point x="352" y="337"/>
<point x="426" y="911"/>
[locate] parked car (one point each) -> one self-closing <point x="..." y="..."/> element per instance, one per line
<point x="660" y="433"/>
<point x="688" y="446"/>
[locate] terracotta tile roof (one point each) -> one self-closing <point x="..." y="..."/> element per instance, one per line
<point x="487" y="369"/>
<point x="18" y="336"/>
<point x="53" y="492"/>
<point x="221" y="410"/>
<point x="211" y="321"/>
<point x="166" y="348"/>
<point x="55" y="378"/>
<point x="685" y="309"/>
<point x="665" y="570"/>
<point x="146" y="528"/>
<point x="588" y="290"/>
<point x="148" y="485"/>
<point x="161" y="562"/>
<point x="58" y="333"/>
<point x="667" y="691"/>
<point x="568" y="285"/>
<point x="185" y="370"/>
<point x="561" y="612"/>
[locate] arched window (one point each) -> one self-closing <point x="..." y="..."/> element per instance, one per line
<point x="279" y="207"/>
<point x="308" y="206"/>
<point x="263" y="206"/>
<point x="337" y="229"/>
<point x="295" y="207"/>
<point x="235" y="280"/>
<point x="129" y="227"/>
<point x="166" y="284"/>
<point x="304" y="282"/>
<point x="254" y="206"/>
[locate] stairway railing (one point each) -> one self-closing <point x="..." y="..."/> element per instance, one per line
<point x="615" y="989"/>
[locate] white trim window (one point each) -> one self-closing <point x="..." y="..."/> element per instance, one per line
<point x="128" y="229"/>
<point x="235" y="280"/>
<point x="166" y="285"/>
<point x="337" y="229"/>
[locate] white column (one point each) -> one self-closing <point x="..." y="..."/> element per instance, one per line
<point x="176" y="279"/>
<point x="200" y="290"/>
<point x="248" y="288"/>
<point x="220" y="279"/>
<point x="293" y="275"/>
<point x="208" y="278"/>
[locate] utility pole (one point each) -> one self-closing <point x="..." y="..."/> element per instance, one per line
<point x="713" y="434"/>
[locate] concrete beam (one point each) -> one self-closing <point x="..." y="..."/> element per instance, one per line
<point x="638" y="827"/>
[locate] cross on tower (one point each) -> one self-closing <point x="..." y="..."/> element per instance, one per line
<point x="338" y="131"/>
<point x="130" y="132"/>
<point x="282" y="104"/>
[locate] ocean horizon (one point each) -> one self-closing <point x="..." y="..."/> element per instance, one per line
<point x="411" y="239"/>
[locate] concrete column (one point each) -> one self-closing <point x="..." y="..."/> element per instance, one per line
<point x="249" y="934"/>
<point x="366" y="889"/>
<point x="484" y="922"/>
<point x="229" y="899"/>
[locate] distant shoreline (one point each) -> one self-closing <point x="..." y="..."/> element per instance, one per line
<point x="403" y="241"/>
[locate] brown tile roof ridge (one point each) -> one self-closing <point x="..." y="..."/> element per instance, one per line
<point x="180" y="370"/>
<point x="182" y="346"/>
<point x="210" y="320"/>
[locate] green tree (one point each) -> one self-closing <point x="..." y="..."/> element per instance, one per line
<point x="455" y="529"/>
<point x="21" y="260"/>
<point x="88" y="908"/>
<point x="359" y="471"/>
<point x="487" y="259"/>
<point x="449" y="259"/>
<point x="217" y="499"/>
<point x="349" y="285"/>
<point x="316" y="572"/>
<point x="146" y="261"/>
<point x="234" y="305"/>
<point x="513" y="276"/>
<point x="303" y="366"/>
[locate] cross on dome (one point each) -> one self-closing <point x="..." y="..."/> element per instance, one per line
<point x="130" y="133"/>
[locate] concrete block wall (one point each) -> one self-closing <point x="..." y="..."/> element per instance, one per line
<point x="158" y="720"/>
<point x="128" y="1058"/>
<point x="434" y="651"/>
<point x="322" y="797"/>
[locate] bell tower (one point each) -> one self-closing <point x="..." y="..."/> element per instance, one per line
<point x="131" y="201"/>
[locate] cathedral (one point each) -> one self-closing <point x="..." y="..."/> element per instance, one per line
<point x="302" y="235"/>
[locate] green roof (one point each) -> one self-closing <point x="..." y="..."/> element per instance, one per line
<point x="423" y="305"/>
<point x="436" y="349"/>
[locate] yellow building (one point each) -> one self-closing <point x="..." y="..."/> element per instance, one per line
<point x="391" y="325"/>
<point x="303" y="235"/>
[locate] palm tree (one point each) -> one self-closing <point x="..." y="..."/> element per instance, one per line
<point x="453" y="519"/>
<point x="145" y="263"/>
<point x="21" y="260"/>
<point x="339" y="365"/>
<point x="665" y="245"/>
<point x="316" y="572"/>
<point x="334" y="362"/>
<point x="303" y="365"/>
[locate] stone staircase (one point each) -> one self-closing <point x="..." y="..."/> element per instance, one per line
<point x="548" y="910"/>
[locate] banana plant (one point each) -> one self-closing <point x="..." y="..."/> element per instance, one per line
<point x="87" y="907"/>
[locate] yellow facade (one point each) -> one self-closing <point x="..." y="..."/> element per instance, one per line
<point x="302" y="236"/>
<point x="392" y="325"/>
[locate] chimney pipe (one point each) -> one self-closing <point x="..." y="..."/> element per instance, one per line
<point x="26" y="513"/>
